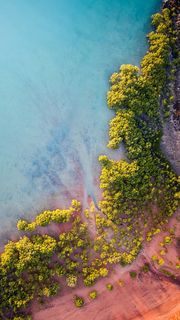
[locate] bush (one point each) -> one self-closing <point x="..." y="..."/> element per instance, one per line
<point x="133" y="274"/>
<point x="71" y="281"/>
<point x="109" y="286"/>
<point x="93" y="295"/>
<point x="78" y="301"/>
<point x="162" y="252"/>
<point x="160" y="261"/>
<point x="167" y="240"/>
<point x="145" y="267"/>
<point x="154" y="258"/>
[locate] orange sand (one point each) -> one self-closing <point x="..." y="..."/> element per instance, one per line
<point x="151" y="296"/>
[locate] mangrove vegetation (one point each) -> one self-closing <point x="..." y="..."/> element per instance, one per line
<point x="140" y="193"/>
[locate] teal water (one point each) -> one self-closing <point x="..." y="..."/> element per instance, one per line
<point x="55" y="60"/>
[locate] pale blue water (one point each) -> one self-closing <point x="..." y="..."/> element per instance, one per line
<point x="55" y="60"/>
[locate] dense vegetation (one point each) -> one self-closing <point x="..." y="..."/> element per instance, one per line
<point x="139" y="194"/>
<point x="38" y="265"/>
<point x="132" y="188"/>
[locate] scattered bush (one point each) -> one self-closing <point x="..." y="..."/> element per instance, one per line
<point x="133" y="274"/>
<point x="163" y="252"/>
<point x="154" y="258"/>
<point x="145" y="267"/>
<point x="78" y="301"/>
<point x="160" y="262"/>
<point x="93" y="295"/>
<point x="167" y="240"/>
<point x="109" y="286"/>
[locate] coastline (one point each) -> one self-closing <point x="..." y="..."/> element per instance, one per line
<point x="142" y="290"/>
<point x="170" y="143"/>
<point x="154" y="297"/>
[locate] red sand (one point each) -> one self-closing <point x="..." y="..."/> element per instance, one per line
<point x="151" y="296"/>
<point x="139" y="299"/>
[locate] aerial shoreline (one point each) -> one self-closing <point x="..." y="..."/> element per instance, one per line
<point x="171" y="131"/>
<point x="89" y="245"/>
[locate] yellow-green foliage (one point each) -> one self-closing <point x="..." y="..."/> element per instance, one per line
<point x="160" y="262"/>
<point x="91" y="274"/>
<point x="109" y="286"/>
<point x="93" y="295"/>
<point x="167" y="240"/>
<point x="78" y="301"/>
<point x="123" y="86"/>
<point x="24" y="266"/>
<point x="123" y="127"/>
<point x="30" y="266"/>
<point x="45" y="218"/>
<point x="117" y="179"/>
<point x="145" y="268"/>
<point x="71" y="280"/>
<point x="129" y="186"/>
<point x="133" y="274"/>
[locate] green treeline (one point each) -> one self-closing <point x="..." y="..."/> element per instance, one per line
<point x="38" y="265"/>
<point x="139" y="194"/>
<point x="135" y="95"/>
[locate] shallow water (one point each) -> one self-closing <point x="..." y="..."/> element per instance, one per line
<point x="55" y="60"/>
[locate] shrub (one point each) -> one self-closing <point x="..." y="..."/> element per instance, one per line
<point x="86" y="213"/>
<point x="93" y="295"/>
<point x="162" y="252"/>
<point x="22" y="225"/>
<point x="160" y="261"/>
<point x="154" y="258"/>
<point x="103" y="272"/>
<point x="133" y="274"/>
<point x="71" y="280"/>
<point x="109" y="286"/>
<point x="78" y="301"/>
<point x="167" y="240"/>
<point x="145" y="267"/>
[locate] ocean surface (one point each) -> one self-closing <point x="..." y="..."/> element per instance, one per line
<point x="56" y="57"/>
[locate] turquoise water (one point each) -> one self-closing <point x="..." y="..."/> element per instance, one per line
<point x="55" y="60"/>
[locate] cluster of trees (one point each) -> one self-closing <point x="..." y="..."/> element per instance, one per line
<point x="30" y="267"/>
<point x="25" y="273"/>
<point x="45" y="218"/>
<point x="38" y="265"/>
<point x="146" y="179"/>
